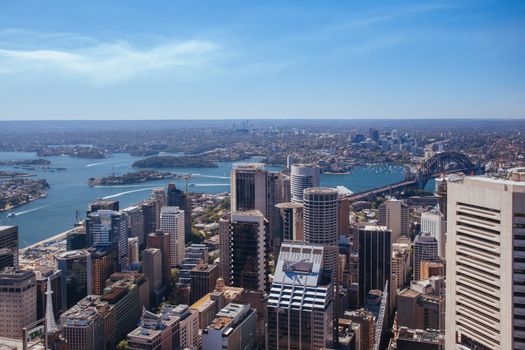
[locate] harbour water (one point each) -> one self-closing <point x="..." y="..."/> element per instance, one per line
<point x="69" y="190"/>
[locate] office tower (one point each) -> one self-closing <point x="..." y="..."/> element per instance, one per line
<point x="203" y="278"/>
<point x="161" y="240"/>
<point x="149" y="216"/>
<point x="343" y="216"/>
<point x="425" y="249"/>
<point x="433" y="223"/>
<point x="172" y="221"/>
<point x="177" y="198"/>
<point x="51" y="326"/>
<point x="124" y="293"/>
<point x="158" y="195"/>
<point x="249" y="188"/>
<point x="303" y="176"/>
<point x="301" y="304"/>
<point x="375" y="261"/>
<point x="133" y="250"/>
<point x="400" y="264"/>
<point x="224" y="249"/>
<point x="8" y="247"/>
<point x="274" y="196"/>
<point x="103" y="204"/>
<point x="195" y="254"/>
<point x="75" y="267"/>
<point x="233" y="328"/>
<point x="152" y="267"/>
<point x="102" y="266"/>
<point x="249" y="250"/>
<point x="135" y="219"/>
<point x="17" y="301"/>
<point x="367" y="326"/>
<point x="373" y="134"/>
<point x="108" y="229"/>
<point x="76" y="238"/>
<point x="189" y="326"/>
<point x="156" y="332"/>
<point x="292" y="221"/>
<point x="485" y="255"/>
<point x="420" y="310"/>
<point x="89" y="325"/>
<point x="320" y="222"/>
<point x="394" y="214"/>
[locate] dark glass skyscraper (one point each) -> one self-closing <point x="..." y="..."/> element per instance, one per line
<point x="8" y="247"/>
<point x="375" y="259"/>
<point x="177" y="198"/>
<point x="109" y="230"/>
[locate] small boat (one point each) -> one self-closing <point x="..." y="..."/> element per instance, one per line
<point x="11" y="215"/>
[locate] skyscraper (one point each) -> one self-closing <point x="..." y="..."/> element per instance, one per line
<point x="301" y="302"/>
<point x="320" y="223"/>
<point x="433" y="223"/>
<point x="375" y="261"/>
<point x="394" y="214"/>
<point x="178" y="198"/>
<point x="103" y="204"/>
<point x="75" y="266"/>
<point x="425" y="249"/>
<point x="172" y="221"/>
<point x="161" y="240"/>
<point x="158" y="195"/>
<point x="485" y="263"/>
<point x="108" y="229"/>
<point x="152" y="267"/>
<point x="303" y="176"/>
<point x="249" y="250"/>
<point x="292" y="221"/>
<point x="224" y="249"/>
<point x="203" y="278"/>
<point x="17" y="301"/>
<point x="8" y="247"/>
<point x="249" y="188"/>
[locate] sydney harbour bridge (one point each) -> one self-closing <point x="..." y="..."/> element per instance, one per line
<point x="438" y="164"/>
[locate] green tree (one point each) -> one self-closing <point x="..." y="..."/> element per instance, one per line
<point x="122" y="345"/>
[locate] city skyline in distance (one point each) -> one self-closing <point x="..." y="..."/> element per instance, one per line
<point x="267" y="61"/>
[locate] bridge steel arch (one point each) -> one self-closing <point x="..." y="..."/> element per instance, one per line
<point x="444" y="162"/>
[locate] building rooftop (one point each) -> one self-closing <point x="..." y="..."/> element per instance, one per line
<point x="321" y="190"/>
<point x="289" y="205"/>
<point x="72" y="254"/>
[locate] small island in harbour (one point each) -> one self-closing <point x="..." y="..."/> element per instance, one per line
<point x="174" y="162"/>
<point x="131" y="178"/>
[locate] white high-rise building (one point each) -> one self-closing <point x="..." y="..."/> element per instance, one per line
<point x="433" y="223"/>
<point x="394" y="214"/>
<point x="425" y="249"/>
<point x="320" y="222"/>
<point x="172" y="221"/>
<point x="303" y="176"/>
<point x="486" y="263"/>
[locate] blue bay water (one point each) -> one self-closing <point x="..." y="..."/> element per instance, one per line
<point x="69" y="190"/>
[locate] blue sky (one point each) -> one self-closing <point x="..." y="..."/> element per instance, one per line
<point x="270" y="59"/>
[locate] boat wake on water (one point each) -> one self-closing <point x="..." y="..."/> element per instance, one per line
<point x="209" y="185"/>
<point x="101" y="163"/>
<point x="30" y="210"/>
<point x="127" y="192"/>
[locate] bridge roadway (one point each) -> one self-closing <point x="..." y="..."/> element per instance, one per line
<point x="381" y="190"/>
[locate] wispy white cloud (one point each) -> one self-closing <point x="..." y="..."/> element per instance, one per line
<point x="104" y="62"/>
<point x="363" y="20"/>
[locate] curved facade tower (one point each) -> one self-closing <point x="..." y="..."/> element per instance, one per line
<point x="303" y="176"/>
<point x="320" y="221"/>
